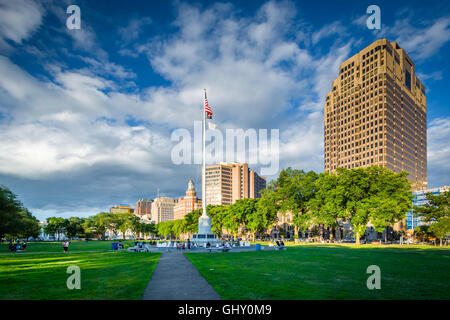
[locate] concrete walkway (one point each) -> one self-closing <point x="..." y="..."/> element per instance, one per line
<point x="176" y="278"/>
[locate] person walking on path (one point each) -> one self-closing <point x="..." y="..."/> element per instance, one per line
<point x="65" y="245"/>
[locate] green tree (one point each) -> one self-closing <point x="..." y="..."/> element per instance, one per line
<point x="178" y="228"/>
<point x="55" y="225"/>
<point x="437" y="213"/>
<point x="123" y="221"/>
<point x="28" y="226"/>
<point x="327" y="206"/>
<point x="149" y="229"/>
<point x="237" y="215"/>
<point x="217" y="214"/>
<point x="423" y="232"/>
<point x="10" y="208"/>
<point x="191" y="221"/>
<point x="165" y="228"/>
<point x="374" y="194"/>
<point x="98" y="224"/>
<point x="74" y="227"/>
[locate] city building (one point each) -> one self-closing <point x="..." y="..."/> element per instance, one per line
<point x="375" y="114"/>
<point x="420" y="199"/>
<point x="162" y="209"/>
<point x="228" y="182"/>
<point x="188" y="203"/>
<point x="144" y="208"/>
<point x="122" y="208"/>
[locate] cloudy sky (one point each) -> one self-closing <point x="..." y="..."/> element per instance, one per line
<point x="86" y="115"/>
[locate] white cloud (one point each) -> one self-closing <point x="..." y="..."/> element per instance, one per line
<point x="133" y="29"/>
<point x="438" y="152"/>
<point x="74" y="128"/>
<point x="421" y="42"/>
<point x="18" y="20"/>
<point x="335" y="28"/>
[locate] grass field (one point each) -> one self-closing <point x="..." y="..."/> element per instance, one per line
<point x="328" y="272"/>
<point x="104" y="275"/>
<point x="74" y="246"/>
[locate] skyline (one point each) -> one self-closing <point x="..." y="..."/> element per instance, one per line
<point x="86" y="115"/>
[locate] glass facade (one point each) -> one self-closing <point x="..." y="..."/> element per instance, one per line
<point x="420" y="199"/>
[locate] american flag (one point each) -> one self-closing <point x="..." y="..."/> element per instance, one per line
<point x="208" y="109"/>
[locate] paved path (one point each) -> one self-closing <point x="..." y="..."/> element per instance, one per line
<point x="176" y="278"/>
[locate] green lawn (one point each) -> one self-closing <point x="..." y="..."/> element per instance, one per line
<point x="104" y="275"/>
<point x="328" y="272"/>
<point x="74" y="246"/>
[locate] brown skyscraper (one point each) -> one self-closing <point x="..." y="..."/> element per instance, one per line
<point x="228" y="182"/>
<point x="375" y="114"/>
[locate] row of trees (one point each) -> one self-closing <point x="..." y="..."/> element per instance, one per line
<point x="15" y="220"/>
<point x="360" y="196"/>
<point x="117" y="223"/>
<point x="374" y="195"/>
<point x="249" y="215"/>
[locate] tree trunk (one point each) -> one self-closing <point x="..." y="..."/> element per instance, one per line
<point x="254" y="236"/>
<point x="440" y="242"/>
<point x="333" y="234"/>
<point x="357" y="236"/>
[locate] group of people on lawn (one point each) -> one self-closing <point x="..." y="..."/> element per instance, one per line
<point x="15" y="246"/>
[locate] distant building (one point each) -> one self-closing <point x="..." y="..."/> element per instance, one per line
<point x="144" y="208"/>
<point x="122" y="208"/>
<point x="188" y="203"/>
<point x="420" y="199"/>
<point x="228" y="182"/>
<point x="162" y="209"/>
<point x="246" y="183"/>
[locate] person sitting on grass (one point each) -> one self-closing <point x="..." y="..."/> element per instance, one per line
<point x="24" y="245"/>
<point x="281" y="244"/>
<point x="12" y="247"/>
<point x="120" y="245"/>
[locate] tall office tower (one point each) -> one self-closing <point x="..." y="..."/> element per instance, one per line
<point x="144" y="208"/>
<point x="228" y="182"/>
<point x="188" y="203"/>
<point x="162" y="209"/>
<point x="219" y="184"/>
<point x="375" y="114"/>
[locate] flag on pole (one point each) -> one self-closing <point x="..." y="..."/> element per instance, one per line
<point x="208" y="109"/>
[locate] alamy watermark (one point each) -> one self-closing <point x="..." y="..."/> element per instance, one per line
<point x="374" y="20"/>
<point x="73" y="281"/>
<point x="74" y="20"/>
<point x="253" y="146"/>
<point x="374" y="281"/>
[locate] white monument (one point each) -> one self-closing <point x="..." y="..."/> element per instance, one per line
<point x="204" y="234"/>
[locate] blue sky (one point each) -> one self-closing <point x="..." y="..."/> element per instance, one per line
<point x="86" y="115"/>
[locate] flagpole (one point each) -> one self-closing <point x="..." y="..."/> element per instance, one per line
<point x="204" y="158"/>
